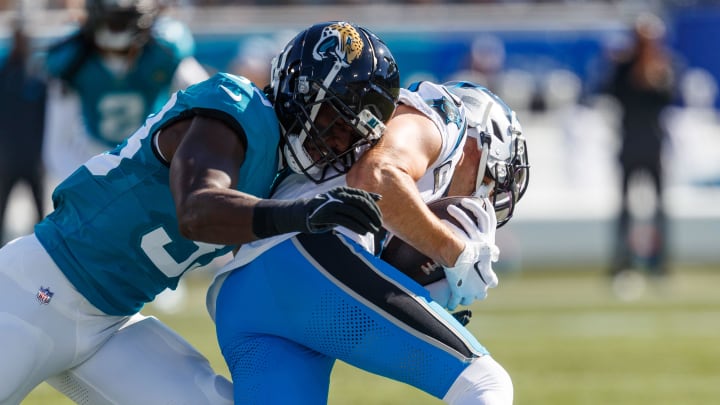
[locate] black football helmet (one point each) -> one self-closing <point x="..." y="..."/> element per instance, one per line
<point x="118" y="25"/>
<point x="504" y="159"/>
<point x="344" y="73"/>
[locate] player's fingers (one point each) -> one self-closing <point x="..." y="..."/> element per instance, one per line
<point x="359" y="221"/>
<point x="489" y="275"/>
<point x="454" y="228"/>
<point x="341" y="191"/>
<point x="453" y="301"/>
<point x="365" y="202"/>
<point x="471" y="228"/>
<point x="481" y="213"/>
<point x="492" y="215"/>
<point x="361" y="206"/>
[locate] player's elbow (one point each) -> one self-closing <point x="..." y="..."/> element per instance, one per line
<point x="371" y="177"/>
<point x="193" y="217"/>
<point x="189" y="224"/>
<point x="360" y="179"/>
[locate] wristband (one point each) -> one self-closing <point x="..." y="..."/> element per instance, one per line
<point x="275" y="217"/>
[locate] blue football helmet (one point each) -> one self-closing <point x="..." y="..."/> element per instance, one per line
<point x="332" y="75"/>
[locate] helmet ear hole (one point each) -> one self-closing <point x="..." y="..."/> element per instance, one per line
<point x="496" y="130"/>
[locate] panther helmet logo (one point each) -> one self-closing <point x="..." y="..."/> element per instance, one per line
<point x="339" y="41"/>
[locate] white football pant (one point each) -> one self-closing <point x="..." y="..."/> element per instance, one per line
<point x="91" y="357"/>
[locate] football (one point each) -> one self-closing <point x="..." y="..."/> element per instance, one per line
<point x="409" y="260"/>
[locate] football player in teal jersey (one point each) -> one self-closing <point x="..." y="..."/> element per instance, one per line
<point x="120" y="65"/>
<point x="186" y="187"/>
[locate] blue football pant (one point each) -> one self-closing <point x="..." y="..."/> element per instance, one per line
<point x="283" y="319"/>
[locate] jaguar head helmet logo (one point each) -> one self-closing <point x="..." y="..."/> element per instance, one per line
<point x="339" y="41"/>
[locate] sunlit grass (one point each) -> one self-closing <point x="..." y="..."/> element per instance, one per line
<point x="563" y="336"/>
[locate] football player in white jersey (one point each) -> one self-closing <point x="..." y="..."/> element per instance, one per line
<point x="186" y="187"/>
<point x="318" y="298"/>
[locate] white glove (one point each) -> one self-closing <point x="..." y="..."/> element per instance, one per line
<point x="472" y="274"/>
<point x="439" y="292"/>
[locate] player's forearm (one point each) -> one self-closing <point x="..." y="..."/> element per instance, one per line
<point x="425" y="233"/>
<point x="416" y="225"/>
<point x="221" y="216"/>
<point x="406" y="215"/>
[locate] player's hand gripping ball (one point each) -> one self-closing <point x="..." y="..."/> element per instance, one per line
<point x="409" y="260"/>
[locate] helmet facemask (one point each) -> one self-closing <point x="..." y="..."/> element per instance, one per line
<point x="119" y="26"/>
<point x="510" y="177"/>
<point x="324" y="138"/>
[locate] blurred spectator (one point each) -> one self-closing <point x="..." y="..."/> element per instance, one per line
<point x="255" y="55"/>
<point x="120" y="65"/>
<point x="22" y="111"/>
<point x="484" y="63"/>
<point x="643" y="85"/>
<point x="693" y="126"/>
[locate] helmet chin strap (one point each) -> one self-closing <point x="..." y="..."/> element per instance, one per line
<point x="483" y="140"/>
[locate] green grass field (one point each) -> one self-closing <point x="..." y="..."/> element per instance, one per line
<point x="564" y="338"/>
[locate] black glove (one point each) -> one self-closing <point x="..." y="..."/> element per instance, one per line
<point x="340" y="206"/>
<point x="463" y="316"/>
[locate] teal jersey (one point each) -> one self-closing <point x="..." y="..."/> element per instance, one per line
<point x="115" y="105"/>
<point x="114" y="230"/>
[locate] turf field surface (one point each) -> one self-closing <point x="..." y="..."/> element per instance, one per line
<point x="564" y="337"/>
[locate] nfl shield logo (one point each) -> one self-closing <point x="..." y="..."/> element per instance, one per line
<point x="44" y="295"/>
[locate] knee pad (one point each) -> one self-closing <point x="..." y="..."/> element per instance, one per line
<point x="484" y="382"/>
<point x="145" y="362"/>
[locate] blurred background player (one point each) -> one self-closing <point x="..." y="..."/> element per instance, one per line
<point x="122" y="63"/>
<point x="22" y="112"/>
<point x="643" y="83"/>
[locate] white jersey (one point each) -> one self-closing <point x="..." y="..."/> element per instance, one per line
<point x="447" y="112"/>
<point x="444" y="109"/>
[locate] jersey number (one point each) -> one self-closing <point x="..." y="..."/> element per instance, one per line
<point x="120" y="115"/>
<point x="155" y="242"/>
<point x="154" y="245"/>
